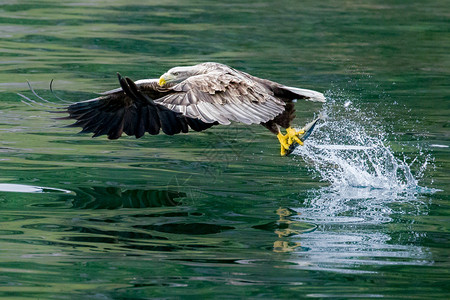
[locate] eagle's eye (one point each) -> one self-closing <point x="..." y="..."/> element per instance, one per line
<point x="176" y="73"/>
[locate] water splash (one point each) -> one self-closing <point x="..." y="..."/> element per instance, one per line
<point x="351" y="149"/>
<point x="370" y="176"/>
<point x="373" y="178"/>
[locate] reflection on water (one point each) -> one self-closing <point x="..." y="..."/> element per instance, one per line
<point x="113" y="198"/>
<point x="285" y="227"/>
<point x="129" y="221"/>
<point x="351" y="236"/>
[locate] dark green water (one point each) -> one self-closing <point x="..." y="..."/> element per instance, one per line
<point x="361" y="211"/>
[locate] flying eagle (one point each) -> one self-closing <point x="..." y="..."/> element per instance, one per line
<point x="196" y="97"/>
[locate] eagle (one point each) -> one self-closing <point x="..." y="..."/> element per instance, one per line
<point x="192" y="97"/>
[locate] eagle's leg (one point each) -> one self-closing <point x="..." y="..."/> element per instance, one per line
<point x="284" y="142"/>
<point x="284" y="120"/>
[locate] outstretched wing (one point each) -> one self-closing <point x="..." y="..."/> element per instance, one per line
<point x="223" y="96"/>
<point x="131" y="110"/>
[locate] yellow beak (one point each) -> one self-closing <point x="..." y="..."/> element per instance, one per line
<point x="161" y="81"/>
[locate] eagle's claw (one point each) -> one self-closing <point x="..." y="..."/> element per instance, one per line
<point x="290" y="137"/>
<point x="294" y="135"/>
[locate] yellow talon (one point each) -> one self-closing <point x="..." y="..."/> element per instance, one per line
<point x="287" y="139"/>
<point x="283" y="151"/>
<point x="293" y="135"/>
<point x="284" y="140"/>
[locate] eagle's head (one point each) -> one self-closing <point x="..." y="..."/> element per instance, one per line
<point x="178" y="74"/>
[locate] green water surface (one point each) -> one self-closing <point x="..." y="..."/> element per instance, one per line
<point x="220" y="214"/>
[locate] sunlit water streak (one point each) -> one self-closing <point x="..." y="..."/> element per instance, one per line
<point x="22" y="188"/>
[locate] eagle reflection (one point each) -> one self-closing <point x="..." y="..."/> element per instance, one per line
<point x="114" y="197"/>
<point x="284" y="228"/>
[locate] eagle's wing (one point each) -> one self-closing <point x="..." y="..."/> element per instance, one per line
<point x="221" y="96"/>
<point x="131" y="110"/>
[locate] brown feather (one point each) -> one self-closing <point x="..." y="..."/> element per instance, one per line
<point x="228" y="89"/>
<point x="212" y="94"/>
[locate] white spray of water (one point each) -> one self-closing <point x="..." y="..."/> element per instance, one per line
<point x="351" y="151"/>
<point x="348" y="149"/>
<point x="371" y="179"/>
